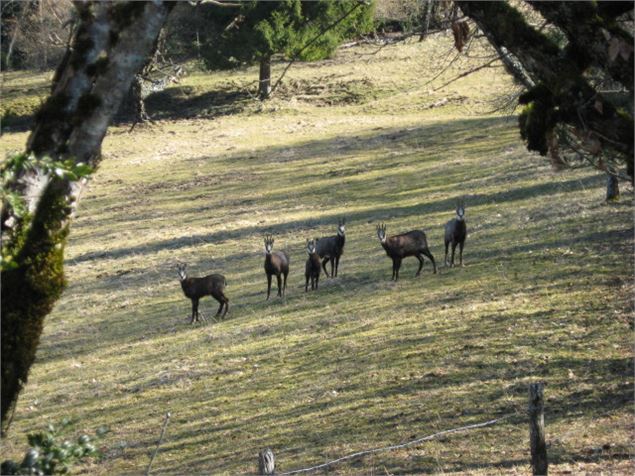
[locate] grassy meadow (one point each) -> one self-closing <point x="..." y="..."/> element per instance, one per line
<point x="545" y="294"/>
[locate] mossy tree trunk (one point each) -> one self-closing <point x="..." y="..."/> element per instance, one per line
<point x="110" y="46"/>
<point x="562" y="94"/>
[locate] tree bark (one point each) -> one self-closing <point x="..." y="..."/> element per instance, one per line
<point x="110" y="46"/>
<point x="264" y="80"/>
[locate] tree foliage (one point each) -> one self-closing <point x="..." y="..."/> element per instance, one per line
<point x="291" y="28"/>
<point x="588" y="42"/>
<point x="262" y="29"/>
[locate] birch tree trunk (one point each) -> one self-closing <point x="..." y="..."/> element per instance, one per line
<point x="110" y="46"/>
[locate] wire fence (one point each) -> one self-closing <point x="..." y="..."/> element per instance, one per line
<point x="399" y="446"/>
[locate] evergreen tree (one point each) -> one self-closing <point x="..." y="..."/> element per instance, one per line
<point x="307" y="31"/>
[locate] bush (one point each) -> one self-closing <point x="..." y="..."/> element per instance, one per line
<point x="49" y="453"/>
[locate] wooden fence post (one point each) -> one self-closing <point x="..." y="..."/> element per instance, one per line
<point x="266" y="462"/>
<point x="539" y="462"/>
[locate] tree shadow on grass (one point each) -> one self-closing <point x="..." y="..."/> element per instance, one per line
<point x="183" y="103"/>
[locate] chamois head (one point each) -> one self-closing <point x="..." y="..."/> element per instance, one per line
<point x="310" y="246"/>
<point x="181" y="270"/>
<point x="341" y="229"/>
<point x="460" y="209"/>
<point x="268" y="244"/>
<point x="381" y="232"/>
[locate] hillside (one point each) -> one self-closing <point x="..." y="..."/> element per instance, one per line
<point x="546" y="293"/>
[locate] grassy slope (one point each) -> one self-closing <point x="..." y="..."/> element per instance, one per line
<point x="363" y="362"/>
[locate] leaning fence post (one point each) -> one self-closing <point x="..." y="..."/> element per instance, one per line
<point x="266" y="462"/>
<point x="539" y="462"/>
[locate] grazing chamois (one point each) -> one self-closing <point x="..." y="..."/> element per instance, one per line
<point x="455" y="233"/>
<point x="331" y="248"/>
<point x="313" y="268"/>
<point x="275" y="263"/>
<point x="398" y="247"/>
<point x="195" y="288"/>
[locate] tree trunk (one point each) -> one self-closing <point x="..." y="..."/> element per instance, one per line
<point x="557" y="163"/>
<point x="612" y="187"/>
<point x="110" y="46"/>
<point x="426" y="19"/>
<point x="16" y="30"/>
<point x="264" y="81"/>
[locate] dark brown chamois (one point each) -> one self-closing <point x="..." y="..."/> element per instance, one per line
<point x="455" y="233"/>
<point x="313" y="268"/>
<point x="276" y="262"/>
<point x="398" y="247"/>
<point x="195" y="288"/>
<point x="331" y="248"/>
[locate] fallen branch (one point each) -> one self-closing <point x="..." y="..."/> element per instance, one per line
<point x="156" y="450"/>
<point x="467" y="73"/>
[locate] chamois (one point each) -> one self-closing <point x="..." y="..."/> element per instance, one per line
<point x="413" y="243"/>
<point x="331" y="248"/>
<point x="275" y="263"/>
<point x="312" y="270"/>
<point x="455" y="233"/>
<point x="195" y="288"/>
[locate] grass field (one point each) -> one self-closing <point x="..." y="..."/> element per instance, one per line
<point x="546" y="293"/>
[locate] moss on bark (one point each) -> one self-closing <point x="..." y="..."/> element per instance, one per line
<point x="30" y="289"/>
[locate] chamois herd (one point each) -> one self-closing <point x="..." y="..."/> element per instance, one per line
<point x="328" y="250"/>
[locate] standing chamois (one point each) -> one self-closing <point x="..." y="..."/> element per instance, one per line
<point x="398" y="247"/>
<point x="313" y="268"/>
<point x="195" y="288"/>
<point x="275" y="263"/>
<point x="332" y="248"/>
<point x="455" y="233"/>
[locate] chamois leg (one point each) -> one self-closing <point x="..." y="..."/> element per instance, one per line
<point x="268" y="286"/>
<point x="392" y="277"/>
<point x="306" y="286"/>
<point x="317" y="280"/>
<point x="429" y="255"/>
<point x="454" y="243"/>
<point x="284" y="287"/>
<point x="324" y="261"/>
<point x="279" y="278"/>
<point x="220" y="308"/>
<point x="420" y="258"/>
<point x="461" y="244"/>
<point x="194" y="310"/>
<point x="226" y="302"/>
<point x="337" y="264"/>
<point x="397" y="266"/>
<point x="447" y="243"/>
<point x="332" y="267"/>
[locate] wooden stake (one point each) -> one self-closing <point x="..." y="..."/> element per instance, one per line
<point x="539" y="462"/>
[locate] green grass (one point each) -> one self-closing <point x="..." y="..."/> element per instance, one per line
<point x="364" y="362"/>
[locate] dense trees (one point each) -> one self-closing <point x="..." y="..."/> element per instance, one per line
<point x="563" y="98"/>
<point x="256" y="31"/>
<point x="34" y="33"/>
<point x="110" y="45"/>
